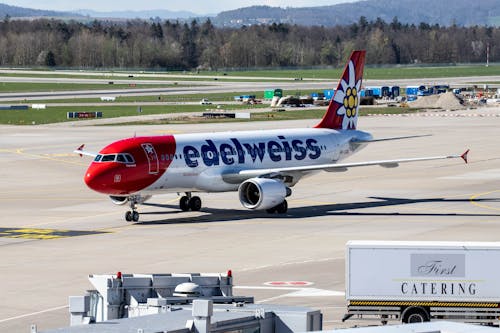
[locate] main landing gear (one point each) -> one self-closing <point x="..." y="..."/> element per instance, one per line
<point x="133" y="214"/>
<point x="187" y="202"/>
<point x="280" y="209"/>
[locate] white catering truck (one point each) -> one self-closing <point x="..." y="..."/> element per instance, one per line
<point x="421" y="281"/>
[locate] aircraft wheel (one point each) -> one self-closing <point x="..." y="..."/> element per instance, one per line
<point x="282" y="207"/>
<point x="195" y="204"/>
<point x="128" y="216"/>
<point x="184" y="203"/>
<point x="135" y="216"/>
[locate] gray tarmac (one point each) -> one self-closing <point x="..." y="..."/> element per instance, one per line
<point x="41" y="188"/>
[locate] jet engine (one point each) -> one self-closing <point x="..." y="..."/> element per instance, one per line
<point x="120" y="201"/>
<point x="262" y="193"/>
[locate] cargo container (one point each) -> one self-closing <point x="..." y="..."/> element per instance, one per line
<point x="413" y="90"/>
<point x="380" y="91"/>
<point x="426" y="92"/>
<point x="329" y="93"/>
<point x="366" y="93"/>
<point x="376" y="91"/>
<point x="318" y="96"/>
<point x="441" y="88"/>
<point x="270" y="93"/>
<point x="395" y="91"/>
<point x="422" y="281"/>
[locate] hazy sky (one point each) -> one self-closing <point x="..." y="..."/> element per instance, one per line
<point x="195" y="6"/>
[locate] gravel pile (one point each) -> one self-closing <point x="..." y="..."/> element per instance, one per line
<point x="446" y="101"/>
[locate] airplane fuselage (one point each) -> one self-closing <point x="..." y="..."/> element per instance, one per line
<point x="204" y="162"/>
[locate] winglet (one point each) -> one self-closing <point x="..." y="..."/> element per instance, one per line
<point x="79" y="149"/>
<point x="464" y="156"/>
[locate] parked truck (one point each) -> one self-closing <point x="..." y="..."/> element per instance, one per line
<point x="422" y="281"/>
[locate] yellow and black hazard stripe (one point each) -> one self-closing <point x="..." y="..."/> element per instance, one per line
<point x="30" y="233"/>
<point x="419" y="303"/>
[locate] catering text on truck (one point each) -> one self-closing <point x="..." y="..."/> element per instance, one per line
<point x="422" y="281"/>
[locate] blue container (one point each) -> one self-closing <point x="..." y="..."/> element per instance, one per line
<point x="366" y="93"/>
<point x="395" y="91"/>
<point x="376" y="91"/>
<point x="329" y="93"/>
<point x="413" y="90"/>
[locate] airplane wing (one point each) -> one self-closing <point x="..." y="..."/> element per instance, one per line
<point x="393" y="138"/>
<point x="81" y="152"/>
<point x="340" y="167"/>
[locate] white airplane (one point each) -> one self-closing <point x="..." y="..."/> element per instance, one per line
<point x="261" y="166"/>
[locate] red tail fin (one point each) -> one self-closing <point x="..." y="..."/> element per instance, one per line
<point x="342" y="112"/>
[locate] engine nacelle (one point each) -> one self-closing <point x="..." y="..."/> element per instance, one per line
<point x="120" y="201"/>
<point x="262" y="193"/>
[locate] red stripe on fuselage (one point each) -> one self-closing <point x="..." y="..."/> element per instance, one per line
<point x="152" y="156"/>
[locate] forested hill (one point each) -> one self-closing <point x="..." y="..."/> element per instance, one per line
<point x="13" y="11"/>
<point x="442" y="12"/>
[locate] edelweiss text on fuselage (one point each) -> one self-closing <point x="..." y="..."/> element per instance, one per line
<point x="234" y="151"/>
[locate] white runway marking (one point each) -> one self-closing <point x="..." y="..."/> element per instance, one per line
<point x="296" y="292"/>
<point x="301" y="284"/>
<point x="33" y="313"/>
<point x="267" y="288"/>
<point x="314" y="292"/>
<point x="291" y="263"/>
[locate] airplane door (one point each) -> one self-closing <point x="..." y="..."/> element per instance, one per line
<point x="154" y="163"/>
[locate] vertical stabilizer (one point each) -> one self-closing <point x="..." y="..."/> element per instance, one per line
<point x="342" y="112"/>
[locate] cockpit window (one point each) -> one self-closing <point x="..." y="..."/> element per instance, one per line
<point x="120" y="158"/>
<point x="108" y="158"/>
<point x="129" y="158"/>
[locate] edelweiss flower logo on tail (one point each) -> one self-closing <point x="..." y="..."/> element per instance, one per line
<point x="342" y="113"/>
<point x="347" y="96"/>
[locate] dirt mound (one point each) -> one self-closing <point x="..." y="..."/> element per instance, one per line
<point x="446" y="101"/>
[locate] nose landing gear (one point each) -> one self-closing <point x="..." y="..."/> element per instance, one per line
<point x="133" y="214"/>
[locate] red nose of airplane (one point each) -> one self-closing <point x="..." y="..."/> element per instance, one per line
<point x="96" y="178"/>
<point x="104" y="178"/>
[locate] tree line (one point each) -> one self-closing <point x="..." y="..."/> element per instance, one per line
<point x="174" y="45"/>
